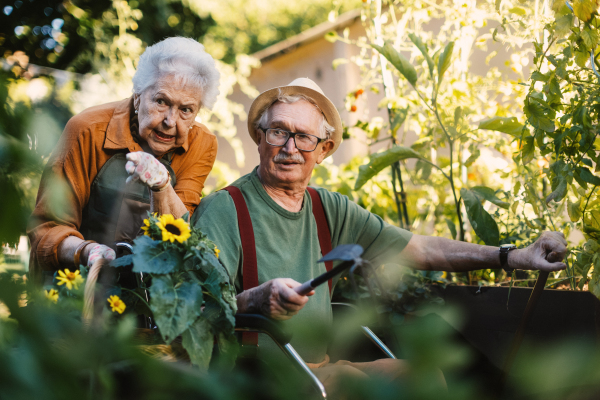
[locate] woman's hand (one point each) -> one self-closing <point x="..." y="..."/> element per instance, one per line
<point x="147" y="169"/>
<point x="100" y="251"/>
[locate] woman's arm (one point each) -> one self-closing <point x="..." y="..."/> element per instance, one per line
<point x="167" y="202"/>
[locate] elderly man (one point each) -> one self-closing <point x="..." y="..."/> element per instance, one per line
<point x="270" y="241"/>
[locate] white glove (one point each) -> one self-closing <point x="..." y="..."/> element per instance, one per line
<point x="100" y="251"/>
<point x="144" y="167"/>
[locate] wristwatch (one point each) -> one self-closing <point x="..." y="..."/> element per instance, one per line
<point x="504" y="249"/>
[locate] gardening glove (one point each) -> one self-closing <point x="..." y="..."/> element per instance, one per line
<point x="100" y="251"/>
<point x="147" y="169"/>
<point x="546" y="254"/>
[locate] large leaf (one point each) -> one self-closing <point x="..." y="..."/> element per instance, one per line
<point x="482" y="222"/>
<point x="537" y="118"/>
<point x="379" y="161"/>
<point x="486" y="193"/>
<point x="398" y="119"/>
<point x="507" y="125"/>
<point x="400" y="62"/>
<point x="423" y="49"/>
<point x="150" y="257"/>
<point x="591" y="224"/>
<point x="528" y="150"/>
<point x="175" y="308"/>
<point x="574" y="210"/>
<point x="588" y="177"/>
<point x="198" y="342"/>
<point x="444" y="61"/>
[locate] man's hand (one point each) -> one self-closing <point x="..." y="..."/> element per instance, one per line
<point x="144" y="167"/>
<point x="274" y="299"/>
<point x="546" y="254"/>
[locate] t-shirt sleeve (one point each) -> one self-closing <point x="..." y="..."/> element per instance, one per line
<point x="216" y="217"/>
<point x="350" y="223"/>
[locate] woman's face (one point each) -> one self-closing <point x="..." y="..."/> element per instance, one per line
<point x="166" y="112"/>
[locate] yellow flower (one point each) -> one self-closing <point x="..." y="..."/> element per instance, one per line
<point x="116" y="304"/>
<point x="52" y="295"/>
<point x="146" y="227"/>
<point x="173" y="229"/>
<point x="217" y="251"/>
<point x="71" y="279"/>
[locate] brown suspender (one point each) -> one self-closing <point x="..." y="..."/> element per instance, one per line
<point x="249" y="265"/>
<point x="322" y="228"/>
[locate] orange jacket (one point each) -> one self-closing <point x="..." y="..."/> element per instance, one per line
<point x="89" y="140"/>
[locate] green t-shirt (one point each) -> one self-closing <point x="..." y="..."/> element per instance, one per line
<point x="287" y="246"/>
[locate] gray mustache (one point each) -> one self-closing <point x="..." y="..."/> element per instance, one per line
<point x="283" y="157"/>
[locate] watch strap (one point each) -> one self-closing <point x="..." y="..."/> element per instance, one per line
<point x="504" y="257"/>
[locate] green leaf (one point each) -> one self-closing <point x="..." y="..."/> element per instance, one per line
<point x="150" y="256"/>
<point x="198" y="342"/>
<point x="379" y="161"/>
<point x="424" y="168"/>
<point x="482" y="222"/>
<point x="501" y="124"/>
<point x="423" y="49"/>
<point x="528" y="150"/>
<point x="398" y="119"/>
<point x="486" y="193"/>
<point x="175" y="308"/>
<point x="451" y="227"/>
<point x="472" y="158"/>
<point x="229" y="349"/>
<point x="398" y="61"/>
<point x="517" y="10"/>
<point x="591" y="224"/>
<point x="581" y="58"/>
<point x="559" y="189"/>
<point x="574" y="210"/>
<point x="538" y="76"/>
<point x="537" y="118"/>
<point x="186" y="217"/>
<point x="588" y="177"/>
<point x="122" y="261"/>
<point x="590" y="37"/>
<point x="444" y="61"/>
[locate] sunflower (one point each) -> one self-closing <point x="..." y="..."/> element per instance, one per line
<point x="116" y="304"/>
<point x="71" y="279"/>
<point x="52" y="295"/>
<point x="173" y="229"/>
<point x="146" y="227"/>
<point x="217" y="251"/>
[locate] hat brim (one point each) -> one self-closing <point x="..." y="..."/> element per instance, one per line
<point x="265" y="99"/>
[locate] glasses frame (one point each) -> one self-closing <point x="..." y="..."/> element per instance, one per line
<point x="292" y="135"/>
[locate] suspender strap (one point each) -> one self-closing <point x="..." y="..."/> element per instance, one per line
<point x="249" y="267"/>
<point x="322" y="228"/>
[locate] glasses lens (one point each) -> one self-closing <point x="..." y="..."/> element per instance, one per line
<point x="276" y="137"/>
<point x="306" y="142"/>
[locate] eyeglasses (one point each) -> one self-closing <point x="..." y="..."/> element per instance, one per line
<point x="303" y="141"/>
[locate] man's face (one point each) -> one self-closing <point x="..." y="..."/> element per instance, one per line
<point x="286" y="166"/>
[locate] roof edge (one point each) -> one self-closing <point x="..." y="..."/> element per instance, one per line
<point x="308" y="36"/>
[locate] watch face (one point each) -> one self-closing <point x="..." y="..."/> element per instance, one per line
<point x="507" y="246"/>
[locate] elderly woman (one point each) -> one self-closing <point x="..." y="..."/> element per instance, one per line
<point x="116" y="161"/>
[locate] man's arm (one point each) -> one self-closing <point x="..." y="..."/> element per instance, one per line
<point x="440" y="254"/>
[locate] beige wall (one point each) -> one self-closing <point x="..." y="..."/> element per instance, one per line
<point x="314" y="60"/>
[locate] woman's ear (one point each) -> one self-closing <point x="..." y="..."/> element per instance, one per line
<point x="136" y="101"/>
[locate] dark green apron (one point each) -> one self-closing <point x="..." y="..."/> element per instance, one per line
<point x="116" y="211"/>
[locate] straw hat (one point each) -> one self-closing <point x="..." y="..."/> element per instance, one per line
<point x="307" y="88"/>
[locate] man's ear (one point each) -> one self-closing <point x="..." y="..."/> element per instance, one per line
<point x="258" y="136"/>
<point x="326" y="148"/>
<point x="136" y="101"/>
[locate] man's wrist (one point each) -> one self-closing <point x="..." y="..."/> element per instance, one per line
<point x="504" y="254"/>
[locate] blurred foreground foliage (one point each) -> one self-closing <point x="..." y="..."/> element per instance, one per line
<point x="46" y="351"/>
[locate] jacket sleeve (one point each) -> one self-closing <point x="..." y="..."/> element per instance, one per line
<point x="64" y="191"/>
<point x="194" y="168"/>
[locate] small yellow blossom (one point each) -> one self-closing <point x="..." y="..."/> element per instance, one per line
<point x="71" y="279"/>
<point x="173" y="229"/>
<point x="146" y="227"/>
<point x="52" y="295"/>
<point x="217" y="251"/>
<point x="116" y="304"/>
